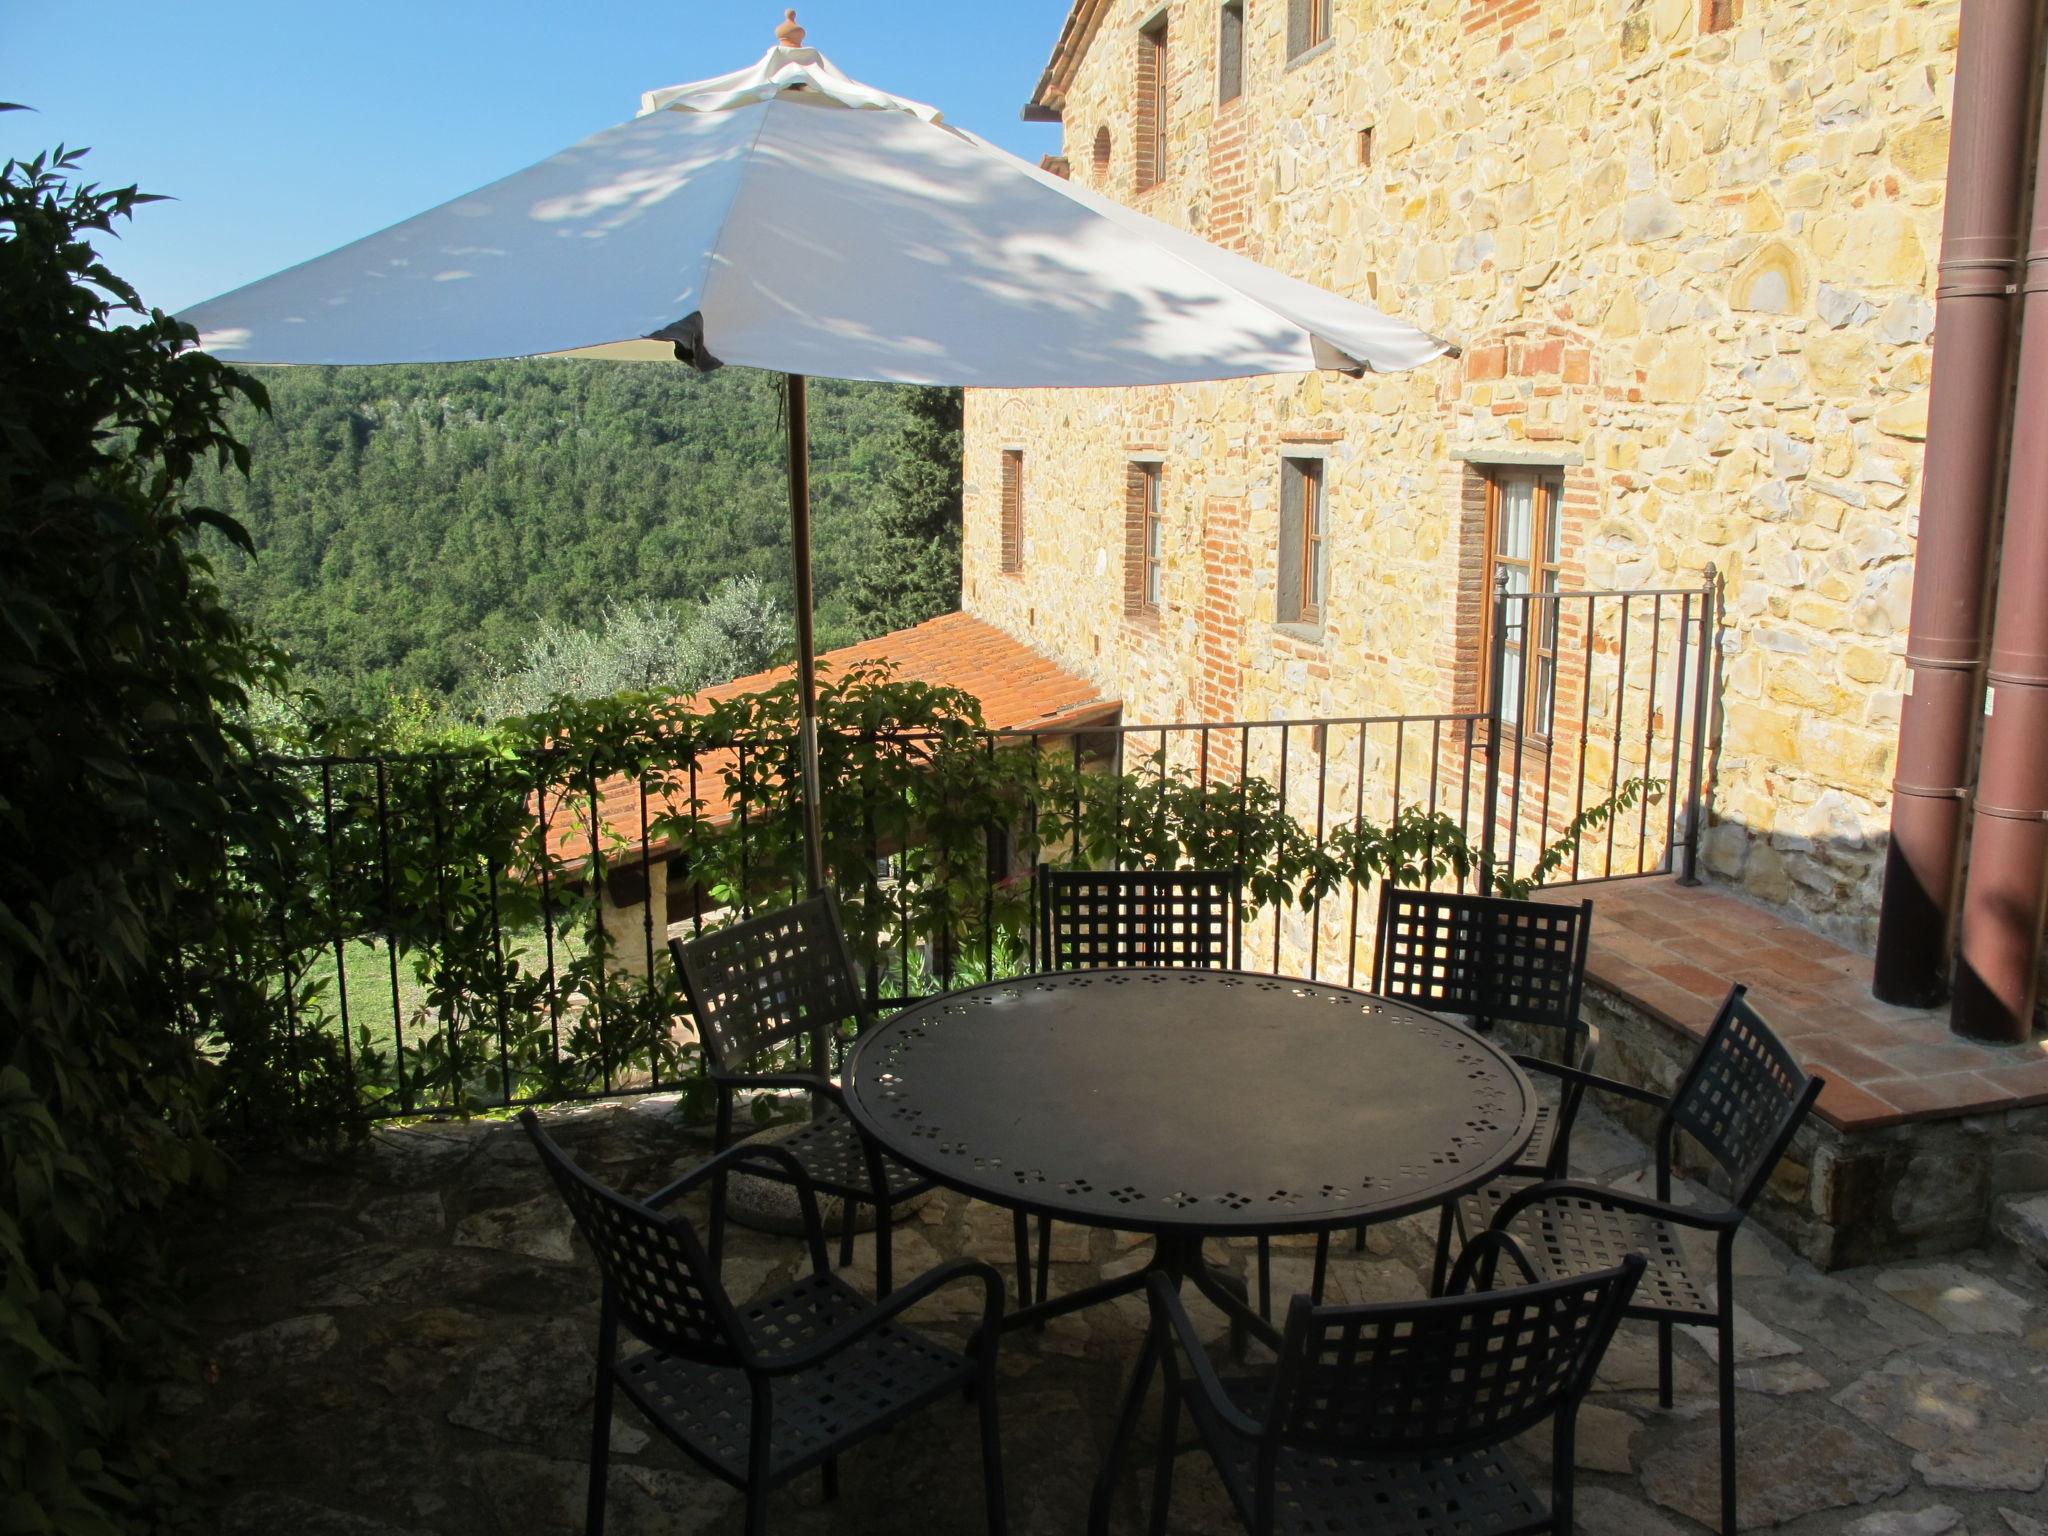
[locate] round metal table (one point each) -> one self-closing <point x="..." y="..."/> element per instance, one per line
<point x="1187" y="1104"/>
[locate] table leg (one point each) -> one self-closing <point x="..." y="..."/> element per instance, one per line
<point x="1231" y="1298"/>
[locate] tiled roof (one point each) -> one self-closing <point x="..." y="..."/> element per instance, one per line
<point x="1018" y="688"/>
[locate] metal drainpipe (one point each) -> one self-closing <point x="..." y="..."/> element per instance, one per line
<point x="1958" y="501"/>
<point x="2005" y="893"/>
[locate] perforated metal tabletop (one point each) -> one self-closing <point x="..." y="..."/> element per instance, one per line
<point x="1190" y="1101"/>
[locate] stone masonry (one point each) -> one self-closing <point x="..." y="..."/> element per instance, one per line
<point x="401" y="1343"/>
<point x="1687" y="249"/>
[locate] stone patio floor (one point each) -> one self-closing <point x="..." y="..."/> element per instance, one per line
<point x="401" y="1342"/>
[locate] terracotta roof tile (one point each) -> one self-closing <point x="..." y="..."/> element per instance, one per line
<point x="1019" y="689"/>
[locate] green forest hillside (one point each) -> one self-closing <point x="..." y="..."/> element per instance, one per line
<point x="414" y="524"/>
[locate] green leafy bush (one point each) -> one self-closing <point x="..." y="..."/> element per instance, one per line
<point x="141" y="855"/>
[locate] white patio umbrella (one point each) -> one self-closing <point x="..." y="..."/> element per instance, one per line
<point x="787" y="217"/>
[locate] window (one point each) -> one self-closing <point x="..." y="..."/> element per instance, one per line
<point x="1150" y="138"/>
<point x="1308" y="25"/>
<point x="1365" y="148"/>
<point x="1719" y="15"/>
<point x="1230" y="51"/>
<point x="1141" y="537"/>
<point x="1100" y="158"/>
<point x="1013" y="510"/>
<point x="1302" y="560"/>
<point x="1522" y="541"/>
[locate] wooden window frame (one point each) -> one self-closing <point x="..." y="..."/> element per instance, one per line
<point x="1546" y="498"/>
<point x="1012" y="511"/>
<point x="1230" y="49"/>
<point x="1306" y="477"/>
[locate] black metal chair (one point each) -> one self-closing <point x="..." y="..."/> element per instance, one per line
<point x="760" y="1392"/>
<point x="1089" y="919"/>
<point x="1390" y="1418"/>
<point x="771" y="995"/>
<point x="1500" y="961"/>
<point x="1497" y="961"/>
<point x="1181" y="918"/>
<point x="1741" y="1099"/>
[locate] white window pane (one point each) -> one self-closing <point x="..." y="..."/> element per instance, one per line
<point x="1517" y="518"/>
<point x="1511" y="689"/>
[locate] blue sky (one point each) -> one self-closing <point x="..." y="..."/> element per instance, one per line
<point x="284" y="128"/>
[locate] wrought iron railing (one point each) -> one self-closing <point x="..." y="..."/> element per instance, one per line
<point x="447" y="982"/>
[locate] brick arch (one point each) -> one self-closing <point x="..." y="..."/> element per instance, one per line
<point x="1544" y="373"/>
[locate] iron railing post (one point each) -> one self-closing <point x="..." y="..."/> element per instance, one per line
<point x="1496" y="676"/>
<point x="1695" y="811"/>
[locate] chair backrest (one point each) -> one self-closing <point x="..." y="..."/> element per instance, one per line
<point x="1183" y="918"/>
<point x="1428" y="1378"/>
<point x="768" y="980"/>
<point x="664" y="1286"/>
<point x="1493" y="957"/>
<point x="1743" y="1097"/>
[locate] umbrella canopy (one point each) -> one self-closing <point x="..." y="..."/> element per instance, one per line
<point x="787" y="217"/>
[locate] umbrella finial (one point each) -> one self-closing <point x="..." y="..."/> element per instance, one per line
<point x="789" y="34"/>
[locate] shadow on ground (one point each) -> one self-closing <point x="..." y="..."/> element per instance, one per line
<point x="402" y="1343"/>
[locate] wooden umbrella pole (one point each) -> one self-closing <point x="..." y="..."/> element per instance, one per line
<point x="806" y="641"/>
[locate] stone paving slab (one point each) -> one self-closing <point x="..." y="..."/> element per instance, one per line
<point x="401" y="1343"/>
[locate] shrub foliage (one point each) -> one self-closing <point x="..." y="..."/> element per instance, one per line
<point x="135" y="832"/>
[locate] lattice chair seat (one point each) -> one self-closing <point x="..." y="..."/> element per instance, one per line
<point x="830" y="1149"/>
<point x="1574" y="1234"/>
<point x="1480" y="1493"/>
<point x="879" y="1378"/>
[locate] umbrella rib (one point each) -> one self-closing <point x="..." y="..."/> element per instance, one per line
<point x="711" y="266"/>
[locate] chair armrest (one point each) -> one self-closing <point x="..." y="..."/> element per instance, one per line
<point x="874" y="1316"/>
<point x="1593" y="1080"/>
<point x="810" y="1081"/>
<point x="1483" y="1246"/>
<point x="776" y="1162"/>
<point x="1171" y="1316"/>
<point x="1613" y="1200"/>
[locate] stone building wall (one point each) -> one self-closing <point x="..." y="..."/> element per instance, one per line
<point x="1693" y="268"/>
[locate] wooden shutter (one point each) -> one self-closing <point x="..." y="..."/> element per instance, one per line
<point x="1134" y="537"/>
<point x="1148" y="136"/>
<point x="1013" y="510"/>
